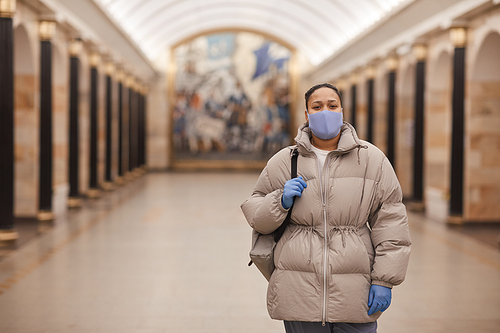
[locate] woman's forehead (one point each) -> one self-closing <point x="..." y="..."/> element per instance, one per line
<point x="324" y="93"/>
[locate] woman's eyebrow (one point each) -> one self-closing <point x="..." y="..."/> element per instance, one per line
<point x="329" y="101"/>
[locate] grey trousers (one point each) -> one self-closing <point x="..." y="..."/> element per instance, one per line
<point x="314" y="327"/>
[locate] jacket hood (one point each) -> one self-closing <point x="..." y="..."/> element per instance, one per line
<point x="349" y="139"/>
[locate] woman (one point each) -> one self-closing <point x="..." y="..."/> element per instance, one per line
<point x="348" y="241"/>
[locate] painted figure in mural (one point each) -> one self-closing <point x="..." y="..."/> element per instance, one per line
<point x="180" y="119"/>
<point x="275" y="103"/>
<point x="348" y="241"/>
<point x="239" y="105"/>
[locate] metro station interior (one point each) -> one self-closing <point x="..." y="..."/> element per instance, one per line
<point x="132" y="131"/>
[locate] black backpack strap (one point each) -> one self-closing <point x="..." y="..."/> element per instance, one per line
<point x="279" y="232"/>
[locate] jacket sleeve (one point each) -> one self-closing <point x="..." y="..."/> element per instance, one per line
<point x="390" y="232"/>
<point x="263" y="210"/>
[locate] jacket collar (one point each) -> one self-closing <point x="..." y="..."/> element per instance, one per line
<point x="349" y="139"/>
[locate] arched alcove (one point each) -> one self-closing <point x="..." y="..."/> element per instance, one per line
<point x="485" y="67"/>
<point x="404" y="129"/>
<point x="437" y="133"/>
<point x="25" y="126"/>
<point x="483" y="133"/>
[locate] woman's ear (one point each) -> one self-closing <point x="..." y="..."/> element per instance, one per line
<point x="307" y="118"/>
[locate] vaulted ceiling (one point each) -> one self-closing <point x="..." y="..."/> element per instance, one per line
<point x="317" y="28"/>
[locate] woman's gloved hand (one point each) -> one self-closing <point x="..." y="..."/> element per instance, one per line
<point x="293" y="187"/>
<point x="379" y="299"/>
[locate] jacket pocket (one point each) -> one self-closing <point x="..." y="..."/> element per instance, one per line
<point x="348" y="253"/>
<point x="296" y="252"/>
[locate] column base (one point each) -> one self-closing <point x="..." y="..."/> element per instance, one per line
<point x="108" y="186"/>
<point x="74" y="202"/>
<point x="455" y="220"/>
<point x="45" y="215"/>
<point x="138" y="172"/>
<point x="93" y="193"/>
<point x="119" y="181"/>
<point x="416" y="206"/>
<point x="8" y="235"/>
<point x="129" y="176"/>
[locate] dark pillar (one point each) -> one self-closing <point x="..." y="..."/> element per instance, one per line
<point x="74" y="151"/>
<point x="131" y="128"/>
<point x="108" y="185"/>
<point x="144" y="127"/>
<point x="418" y="146"/>
<point x="93" y="191"/>
<point x="7" y="126"/>
<point x="140" y="133"/>
<point x="457" y="140"/>
<point x="391" y="119"/>
<point x="369" y="102"/>
<point x="119" y="179"/>
<point x="353" y="105"/>
<point x="45" y="174"/>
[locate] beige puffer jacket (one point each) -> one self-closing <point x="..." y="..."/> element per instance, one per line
<point x="324" y="270"/>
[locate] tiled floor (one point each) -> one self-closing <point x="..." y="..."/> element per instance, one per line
<point x="169" y="253"/>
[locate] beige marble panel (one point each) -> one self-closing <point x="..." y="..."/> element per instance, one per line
<point x="438" y="175"/>
<point x="158" y="125"/>
<point x="60" y="134"/>
<point x="404" y="143"/>
<point x="437" y="139"/>
<point x="483" y="151"/>
<point x="361" y="120"/>
<point x="26" y="140"/>
<point x="380" y="128"/>
<point x="84" y="139"/>
<point x="24" y="91"/>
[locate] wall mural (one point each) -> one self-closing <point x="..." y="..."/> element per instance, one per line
<point x="232" y="98"/>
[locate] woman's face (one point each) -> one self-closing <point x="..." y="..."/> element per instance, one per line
<point x="323" y="99"/>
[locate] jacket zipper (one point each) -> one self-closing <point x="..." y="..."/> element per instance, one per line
<point x="325" y="246"/>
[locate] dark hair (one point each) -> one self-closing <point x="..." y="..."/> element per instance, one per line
<point x="321" y="85"/>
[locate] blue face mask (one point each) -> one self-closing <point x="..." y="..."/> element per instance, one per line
<point x="325" y="124"/>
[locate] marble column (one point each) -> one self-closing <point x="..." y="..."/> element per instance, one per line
<point x="74" y="150"/>
<point x="458" y="37"/>
<point x="418" y="147"/>
<point x="108" y="181"/>
<point x="93" y="191"/>
<point x="47" y="31"/>
<point x="7" y="11"/>
<point x="119" y="78"/>
<point x="391" y="111"/>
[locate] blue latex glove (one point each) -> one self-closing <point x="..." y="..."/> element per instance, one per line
<point x="379" y="299"/>
<point x="293" y="187"/>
